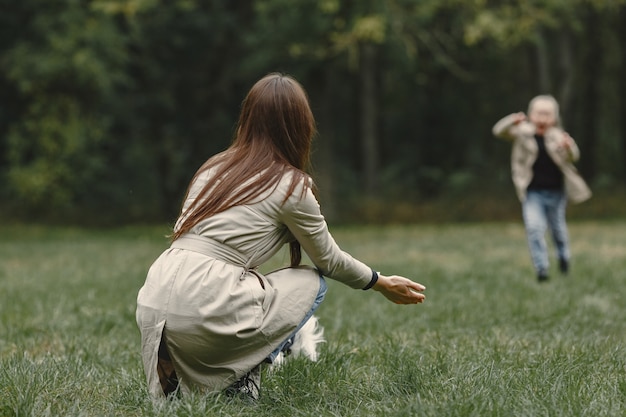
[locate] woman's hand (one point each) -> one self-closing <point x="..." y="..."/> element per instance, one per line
<point x="400" y="290"/>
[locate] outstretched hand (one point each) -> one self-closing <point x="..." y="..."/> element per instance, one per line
<point x="400" y="290"/>
<point x="518" y="117"/>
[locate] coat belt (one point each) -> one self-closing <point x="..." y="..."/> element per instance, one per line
<point x="211" y="248"/>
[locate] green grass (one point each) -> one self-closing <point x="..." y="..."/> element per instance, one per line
<point x="489" y="341"/>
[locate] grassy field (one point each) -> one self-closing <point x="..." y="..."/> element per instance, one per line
<point x="489" y="341"/>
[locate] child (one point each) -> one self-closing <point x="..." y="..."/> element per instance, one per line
<point x="544" y="177"/>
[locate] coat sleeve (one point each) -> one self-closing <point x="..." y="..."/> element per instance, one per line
<point x="302" y="215"/>
<point x="505" y="128"/>
<point x="567" y="154"/>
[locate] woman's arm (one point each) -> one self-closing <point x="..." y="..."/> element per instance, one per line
<point x="302" y="215"/>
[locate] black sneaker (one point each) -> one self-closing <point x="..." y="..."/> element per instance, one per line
<point x="248" y="386"/>
<point x="564" y="266"/>
<point x="542" y="276"/>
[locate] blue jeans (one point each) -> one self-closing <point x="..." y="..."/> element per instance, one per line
<point x="543" y="209"/>
<point x="289" y="341"/>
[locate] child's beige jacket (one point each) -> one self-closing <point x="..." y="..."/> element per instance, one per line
<point x="524" y="154"/>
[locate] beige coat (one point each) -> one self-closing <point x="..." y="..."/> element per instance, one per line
<point x="524" y="154"/>
<point x="206" y="293"/>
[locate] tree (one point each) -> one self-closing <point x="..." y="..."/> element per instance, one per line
<point x="112" y="104"/>
<point x="62" y="69"/>
<point x="571" y="40"/>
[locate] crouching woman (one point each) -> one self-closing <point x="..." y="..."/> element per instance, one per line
<point x="208" y="318"/>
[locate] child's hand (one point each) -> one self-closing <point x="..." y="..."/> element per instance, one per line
<point x="518" y="117"/>
<point x="567" y="141"/>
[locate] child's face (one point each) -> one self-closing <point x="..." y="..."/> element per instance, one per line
<point x="542" y="115"/>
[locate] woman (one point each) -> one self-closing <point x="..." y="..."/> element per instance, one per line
<point x="207" y="317"/>
<point x="542" y="165"/>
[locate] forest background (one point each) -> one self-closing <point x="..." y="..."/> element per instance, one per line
<point x="107" y="107"/>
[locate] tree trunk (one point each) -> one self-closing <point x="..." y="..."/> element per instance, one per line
<point x="567" y="70"/>
<point x="591" y="64"/>
<point x="368" y="117"/>
<point x="622" y="86"/>
<point x="323" y="155"/>
<point x="543" y="63"/>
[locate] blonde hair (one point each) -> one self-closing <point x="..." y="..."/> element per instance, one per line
<point x="548" y="99"/>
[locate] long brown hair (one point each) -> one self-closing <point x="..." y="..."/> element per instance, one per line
<point x="273" y="137"/>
